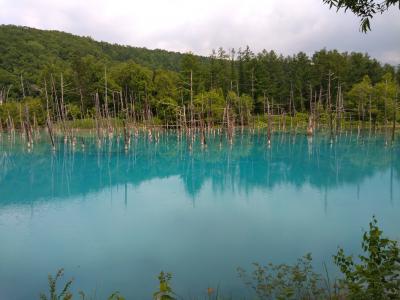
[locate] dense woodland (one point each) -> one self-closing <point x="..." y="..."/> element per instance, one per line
<point x="76" y="77"/>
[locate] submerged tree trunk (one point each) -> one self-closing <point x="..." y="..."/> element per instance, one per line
<point x="394" y="117"/>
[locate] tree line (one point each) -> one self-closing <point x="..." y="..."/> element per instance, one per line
<point x="76" y="77"/>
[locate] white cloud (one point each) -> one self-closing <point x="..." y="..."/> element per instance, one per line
<point x="198" y="26"/>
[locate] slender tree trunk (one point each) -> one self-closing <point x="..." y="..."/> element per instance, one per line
<point x="22" y="87"/>
<point x="329" y="104"/>
<point x="191" y="100"/>
<point x="394" y="117"/>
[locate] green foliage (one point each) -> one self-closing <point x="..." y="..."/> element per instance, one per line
<point x="164" y="291"/>
<point x="129" y="75"/>
<point x="300" y="119"/>
<point x="360" y="96"/>
<point x="376" y="276"/>
<point x="210" y="105"/>
<point x="244" y="105"/>
<point x="115" y="296"/>
<point x="385" y="93"/>
<point x="298" y="281"/>
<point x="365" y="10"/>
<point x="165" y="84"/>
<point x="87" y="75"/>
<point x="36" y="63"/>
<point x="17" y="111"/>
<point x="73" y="111"/>
<point x="167" y="109"/>
<point x="82" y="123"/>
<point x="65" y="294"/>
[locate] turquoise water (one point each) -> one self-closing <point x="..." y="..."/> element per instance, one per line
<point x="115" y="219"/>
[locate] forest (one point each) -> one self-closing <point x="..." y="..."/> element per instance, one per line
<point x="74" y="77"/>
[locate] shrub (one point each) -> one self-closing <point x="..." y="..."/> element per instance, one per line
<point x="165" y="291"/>
<point x="376" y="276"/>
<point x="285" y="281"/>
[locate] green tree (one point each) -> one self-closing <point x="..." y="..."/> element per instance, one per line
<point x="243" y="106"/>
<point x="360" y="98"/>
<point x="385" y="97"/>
<point x="210" y="105"/>
<point x="135" y="85"/>
<point x="166" y="84"/>
<point x="88" y="78"/>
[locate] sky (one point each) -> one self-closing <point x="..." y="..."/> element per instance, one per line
<point x="286" y="26"/>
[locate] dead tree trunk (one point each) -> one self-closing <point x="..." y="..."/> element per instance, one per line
<point x="394" y="117"/>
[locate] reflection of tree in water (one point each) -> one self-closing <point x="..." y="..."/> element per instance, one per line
<point x="248" y="163"/>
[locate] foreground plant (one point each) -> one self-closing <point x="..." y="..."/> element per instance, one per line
<point x="165" y="291"/>
<point x="282" y="281"/>
<point x="115" y="296"/>
<point x="65" y="294"/>
<point x="376" y="276"/>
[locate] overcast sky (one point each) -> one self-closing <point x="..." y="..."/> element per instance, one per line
<point x="199" y="26"/>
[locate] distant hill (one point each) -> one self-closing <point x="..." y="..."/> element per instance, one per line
<point x="27" y="50"/>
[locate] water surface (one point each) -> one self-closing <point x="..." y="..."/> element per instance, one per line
<point x="115" y="219"/>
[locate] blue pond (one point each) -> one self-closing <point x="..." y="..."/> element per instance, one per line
<point x="114" y="219"/>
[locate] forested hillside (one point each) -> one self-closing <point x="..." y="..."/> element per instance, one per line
<point x="29" y="51"/>
<point x="35" y="63"/>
